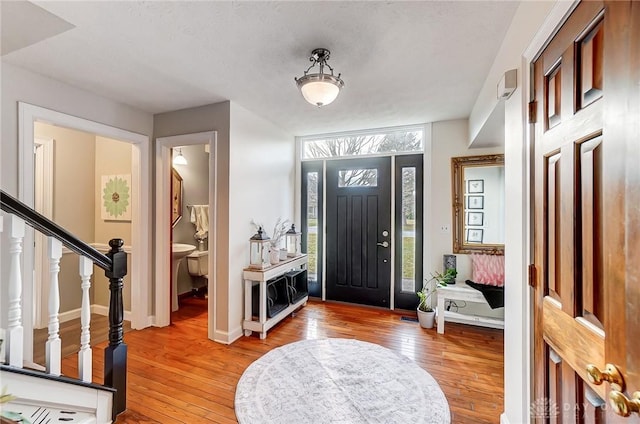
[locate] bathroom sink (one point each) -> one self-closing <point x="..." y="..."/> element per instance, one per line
<point x="178" y="252"/>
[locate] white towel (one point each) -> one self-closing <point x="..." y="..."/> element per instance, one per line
<point x="200" y="218"/>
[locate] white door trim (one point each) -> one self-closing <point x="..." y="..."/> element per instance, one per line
<point x="43" y="203"/>
<point x="518" y="333"/>
<point x="163" y="223"/>
<point x="140" y="205"/>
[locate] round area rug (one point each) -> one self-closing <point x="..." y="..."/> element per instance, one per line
<point x="338" y="381"/>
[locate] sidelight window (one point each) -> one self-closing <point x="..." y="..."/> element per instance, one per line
<point x="312" y="221"/>
<point x="408" y="230"/>
<point x="312" y="224"/>
<point x="408" y="222"/>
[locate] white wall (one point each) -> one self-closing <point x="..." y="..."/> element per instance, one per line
<point x="17" y="85"/>
<point x="214" y="117"/>
<point x="261" y="187"/>
<point x="73" y="199"/>
<point x="531" y="25"/>
<point x="21" y="85"/>
<point x="255" y="180"/>
<point x="80" y="159"/>
<point x="526" y="21"/>
<point x="449" y="139"/>
<point x="113" y="157"/>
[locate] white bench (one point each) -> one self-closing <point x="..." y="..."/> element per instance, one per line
<point x="462" y="292"/>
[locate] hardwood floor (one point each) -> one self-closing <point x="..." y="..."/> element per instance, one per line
<point x="70" y="336"/>
<point x="177" y="375"/>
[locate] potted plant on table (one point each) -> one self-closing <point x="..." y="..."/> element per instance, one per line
<point x="426" y="313"/>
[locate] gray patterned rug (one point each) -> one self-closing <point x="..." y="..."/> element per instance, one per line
<point x="338" y="381"/>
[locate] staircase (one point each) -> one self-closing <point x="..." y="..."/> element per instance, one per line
<point x="43" y="396"/>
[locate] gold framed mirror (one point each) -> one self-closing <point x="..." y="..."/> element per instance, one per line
<point x="478" y="190"/>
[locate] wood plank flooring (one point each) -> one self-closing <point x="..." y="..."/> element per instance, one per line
<point x="177" y="375"/>
<point x="70" y="335"/>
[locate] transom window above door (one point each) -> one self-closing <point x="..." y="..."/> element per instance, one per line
<point x="364" y="143"/>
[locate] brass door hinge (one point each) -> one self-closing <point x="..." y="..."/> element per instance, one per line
<point x="533" y="107"/>
<point x="533" y="276"/>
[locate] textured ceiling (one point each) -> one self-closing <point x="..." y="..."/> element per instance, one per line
<point x="402" y="62"/>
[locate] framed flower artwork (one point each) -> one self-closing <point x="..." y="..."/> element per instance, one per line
<point x="116" y="197"/>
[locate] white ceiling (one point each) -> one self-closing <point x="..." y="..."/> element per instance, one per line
<point x="402" y="62"/>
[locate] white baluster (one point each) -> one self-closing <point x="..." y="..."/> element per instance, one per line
<point x="54" y="344"/>
<point x="85" y="355"/>
<point x="14" y="328"/>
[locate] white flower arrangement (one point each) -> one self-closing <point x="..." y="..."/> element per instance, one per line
<point x="279" y="230"/>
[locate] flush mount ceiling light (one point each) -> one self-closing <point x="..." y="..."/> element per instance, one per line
<point x="319" y="89"/>
<point x="179" y="159"/>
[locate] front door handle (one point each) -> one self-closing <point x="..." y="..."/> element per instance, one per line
<point x="384" y="244"/>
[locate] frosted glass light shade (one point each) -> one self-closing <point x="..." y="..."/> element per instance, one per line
<point x="319" y="89"/>
<point x="179" y="159"/>
<point x="319" y="93"/>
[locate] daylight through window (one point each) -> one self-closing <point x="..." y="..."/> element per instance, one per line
<point x="374" y="142"/>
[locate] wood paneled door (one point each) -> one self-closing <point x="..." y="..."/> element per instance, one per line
<point x="587" y="217"/>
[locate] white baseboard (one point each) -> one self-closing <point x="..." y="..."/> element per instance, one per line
<point x="95" y="309"/>
<point x="69" y="315"/>
<point x="225" y="337"/>
<point x="104" y="310"/>
<point x="151" y="320"/>
<point x="235" y="334"/>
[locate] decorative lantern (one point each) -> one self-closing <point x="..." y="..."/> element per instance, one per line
<point x="293" y="242"/>
<point x="259" y="250"/>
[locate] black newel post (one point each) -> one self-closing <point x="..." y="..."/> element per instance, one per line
<point x="115" y="355"/>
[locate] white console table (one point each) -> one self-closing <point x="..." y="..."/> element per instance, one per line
<point x="254" y="276"/>
<point x="462" y="292"/>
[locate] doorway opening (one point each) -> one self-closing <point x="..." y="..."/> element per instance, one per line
<point x="30" y="116"/>
<point x="190" y="225"/>
<point x="72" y="169"/>
<point x="362" y="215"/>
<point x="171" y="208"/>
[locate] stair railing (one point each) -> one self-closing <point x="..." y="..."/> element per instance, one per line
<point x="114" y="263"/>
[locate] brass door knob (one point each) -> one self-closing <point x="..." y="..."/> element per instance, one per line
<point x="622" y="405"/>
<point x="610" y="374"/>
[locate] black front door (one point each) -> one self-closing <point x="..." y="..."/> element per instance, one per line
<point x="359" y="230"/>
